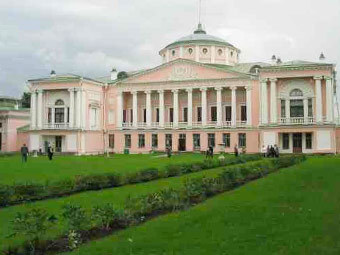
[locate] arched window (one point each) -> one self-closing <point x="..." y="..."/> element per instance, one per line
<point x="190" y="50"/>
<point x="296" y="93"/>
<point x="205" y="50"/>
<point x="59" y="102"/>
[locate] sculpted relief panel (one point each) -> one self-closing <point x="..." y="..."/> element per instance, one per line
<point x="301" y="84"/>
<point x="182" y="72"/>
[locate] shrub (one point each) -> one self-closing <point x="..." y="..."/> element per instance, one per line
<point x="6" y="193"/>
<point x="173" y="170"/>
<point x="149" y="174"/>
<point x="114" y="180"/>
<point x="75" y="217"/>
<point x="28" y="191"/>
<point x="193" y="190"/>
<point x="106" y="215"/>
<point x="90" y="182"/>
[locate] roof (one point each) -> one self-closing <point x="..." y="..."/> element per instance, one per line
<point x="241" y="67"/>
<point x="24" y="128"/>
<point x="13" y="109"/>
<point x="295" y="64"/>
<point x="200" y="36"/>
<point x="64" y="78"/>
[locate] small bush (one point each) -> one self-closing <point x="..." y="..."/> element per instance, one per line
<point x="6" y="192"/>
<point x="149" y="174"/>
<point x="90" y="182"/>
<point x="28" y="191"/>
<point x="106" y="215"/>
<point x="173" y="170"/>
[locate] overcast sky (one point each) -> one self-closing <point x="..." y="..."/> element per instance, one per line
<point x="89" y="37"/>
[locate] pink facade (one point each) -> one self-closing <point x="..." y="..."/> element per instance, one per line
<point x="200" y="96"/>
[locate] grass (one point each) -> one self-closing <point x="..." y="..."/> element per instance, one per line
<point x="40" y="169"/>
<point x="117" y="196"/>
<point x="293" y="211"/>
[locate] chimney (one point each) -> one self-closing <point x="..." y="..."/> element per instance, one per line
<point x="273" y="60"/>
<point x="322" y="57"/>
<point x="53" y="74"/>
<point x="113" y="74"/>
<point x="278" y="61"/>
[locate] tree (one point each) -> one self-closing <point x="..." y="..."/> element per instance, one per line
<point x="122" y="75"/>
<point x="26" y="100"/>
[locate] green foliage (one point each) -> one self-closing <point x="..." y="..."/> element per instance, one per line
<point x="75" y="217"/>
<point x="5" y="194"/>
<point x="27" y="191"/>
<point x="26" y="100"/>
<point x="106" y="215"/>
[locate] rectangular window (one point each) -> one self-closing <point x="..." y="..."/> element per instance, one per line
<point x="171" y="114"/>
<point x="111" y="141"/>
<point x="211" y="140"/>
<point x="157" y="115"/>
<point x="168" y="140"/>
<point x="199" y="114"/>
<point x="59" y="115"/>
<point x="243" y="113"/>
<point x="131" y="115"/>
<point x="128" y="141"/>
<point x="309" y="141"/>
<point x="226" y="140"/>
<point x="242" y="142"/>
<point x="296" y="108"/>
<point x="144" y="115"/>
<point x="185" y="114"/>
<point x="285" y="141"/>
<point x="68" y="114"/>
<point x="213" y="113"/>
<point x="141" y="141"/>
<point x="154" y="140"/>
<point x="197" y="141"/>
<point x="310" y="107"/>
<point x="228" y="113"/>
<point x="93" y="117"/>
<point x="283" y="108"/>
<point x="124" y="116"/>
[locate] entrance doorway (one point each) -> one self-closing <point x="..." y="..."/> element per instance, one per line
<point x="58" y="143"/>
<point x="181" y="142"/>
<point x="297" y="142"/>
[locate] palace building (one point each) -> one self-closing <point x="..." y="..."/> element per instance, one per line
<point x="200" y="96"/>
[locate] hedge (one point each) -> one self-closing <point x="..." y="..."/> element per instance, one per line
<point x="30" y="191"/>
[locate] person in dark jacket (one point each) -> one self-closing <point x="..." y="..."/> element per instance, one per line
<point x="24" y="153"/>
<point x="50" y="152"/>
<point x="236" y="151"/>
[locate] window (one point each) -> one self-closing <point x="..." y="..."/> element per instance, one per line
<point x="141" y="141"/>
<point x="220" y="52"/>
<point x="131" y="115"/>
<point x="144" y="115"/>
<point x="111" y="141"/>
<point x="124" y="116"/>
<point x="285" y="141"/>
<point x="0" y="124"/>
<point x="213" y="112"/>
<point x="171" y="114"/>
<point x="242" y="140"/>
<point x="190" y="50"/>
<point x="228" y="113"/>
<point x="59" y="115"/>
<point x="231" y="53"/>
<point x="199" y="114"/>
<point x="185" y="114"/>
<point x="205" y="50"/>
<point x="309" y="141"/>
<point x="173" y="53"/>
<point x="197" y="141"/>
<point x="283" y="108"/>
<point x="49" y="115"/>
<point x="168" y="140"/>
<point x="310" y="107"/>
<point x="157" y="115"/>
<point x="296" y="108"/>
<point x="226" y="140"/>
<point x="211" y="140"/>
<point x="93" y="117"/>
<point x="127" y="141"/>
<point x="243" y="113"/>
<point x="68" y="114"/>
<point x="59" y="102"/>
<point x="154" y="140"/>
<point x="296" y="93"/>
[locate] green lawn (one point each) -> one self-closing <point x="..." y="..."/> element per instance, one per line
<point x="40" y="169"/>
<point x="293" y="211"/>
<point x="117" y="196"/>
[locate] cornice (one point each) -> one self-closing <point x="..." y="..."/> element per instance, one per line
<point x="294" y="68"/>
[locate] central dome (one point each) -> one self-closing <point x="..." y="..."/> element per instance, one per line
<point x="201" y="47"/>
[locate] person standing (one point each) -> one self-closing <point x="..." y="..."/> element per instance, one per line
<point x="277" y="152"/>
<point x="50" y="152"/>
<point x="264" y="150"/>
<point x="24" y="153"/>
<point x="236" y="151"/>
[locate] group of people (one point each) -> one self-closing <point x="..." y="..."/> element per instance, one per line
<point x="210" y="152"/>
<point x="237" y="152"/>
<point x="24" y="152"/>
<point x="270" y="151"/>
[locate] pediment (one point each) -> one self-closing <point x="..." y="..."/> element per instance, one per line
<point x="181" y="70"/>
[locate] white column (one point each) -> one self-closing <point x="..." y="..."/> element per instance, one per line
<point x="135" y="109"/>
<point x="119" y="109"/>
<point x="233" y="106"/>
<point x="78" y="108"/>
<point x="329" y="99"/>
<point x="264" y="102"/>
<point x="305" y="110"/>
<point x="33" y="109"/>
<point x="204" y="105"/>
<point x="273" y="101"/>
<point x="52" y="116"/>
<point x="84" y="109"/>
<point x="175" y="102"/>
<point x="249" y="110"/>
<point x="148" y="108"/>
<point x="65" y="115"/>
<point x="318" y="94"/>
<point x="181" y="50"/>
<point x="287" y="110"/>
<point x="161" y="108"/>
<point x="219" y="106"/>
<point x="189" y="107"/>
<point x="39" y="109"/>
<point x="71" y="118"/>
<point x="167" y="55"/>
<point x="197" y="53"/>
<point x="213" y="54"/>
